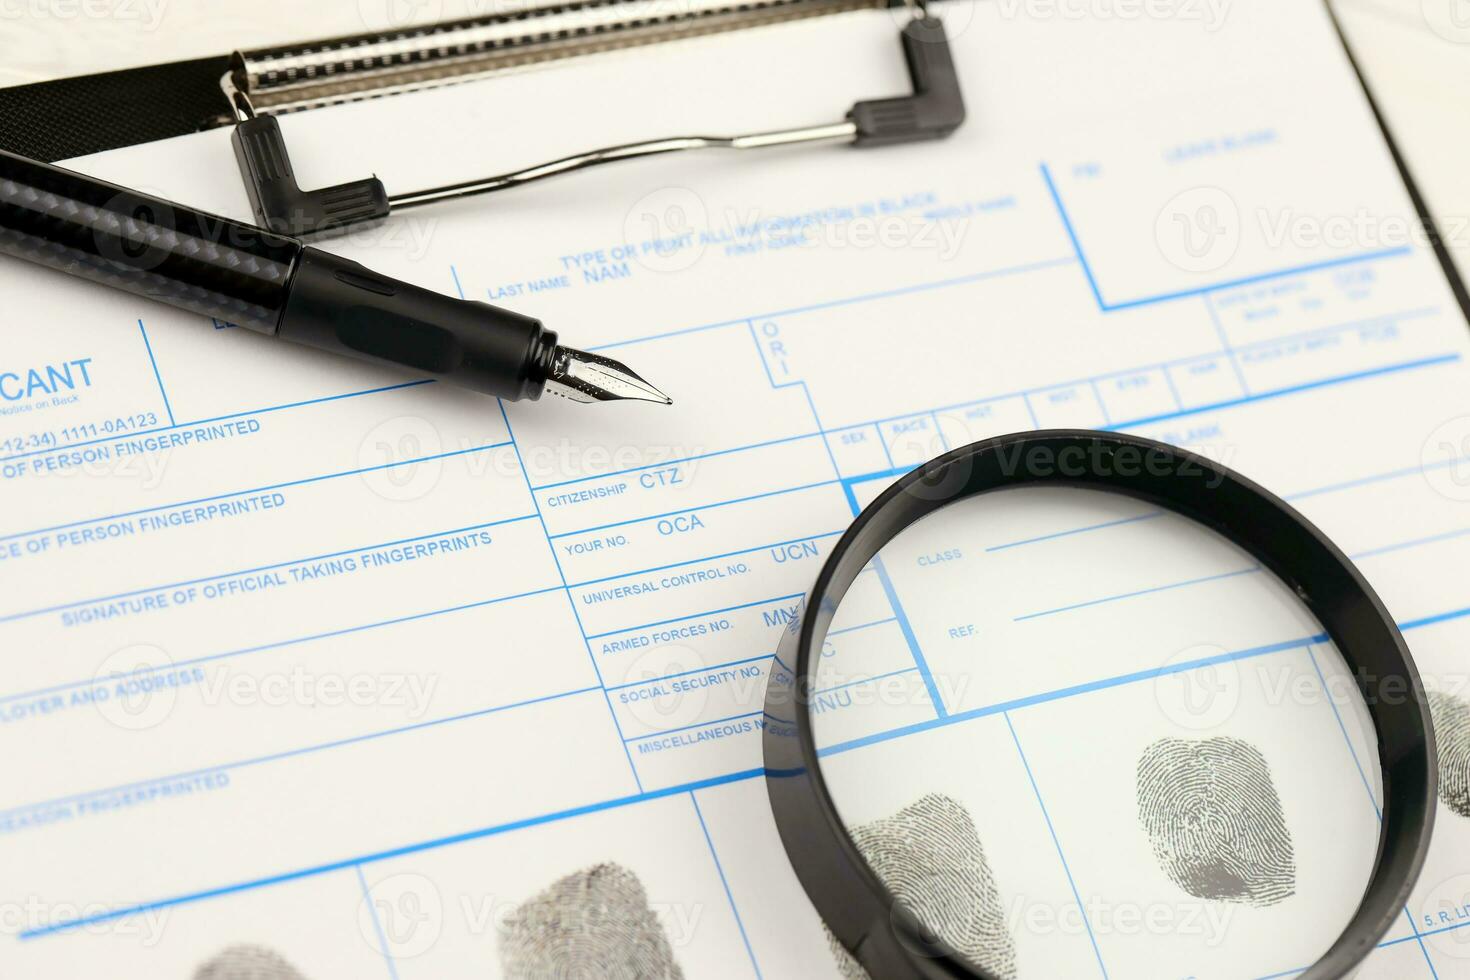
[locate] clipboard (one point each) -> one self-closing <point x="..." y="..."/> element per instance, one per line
<point x="248" y="89"/>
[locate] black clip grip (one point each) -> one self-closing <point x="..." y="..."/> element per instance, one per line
<point x="279" y="202"/>
<point x="936" y="109"/>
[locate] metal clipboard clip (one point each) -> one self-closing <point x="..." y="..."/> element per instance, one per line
<point x="261" y="84"/>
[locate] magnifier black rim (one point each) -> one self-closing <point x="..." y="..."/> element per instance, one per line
<point x="858" y="908"/>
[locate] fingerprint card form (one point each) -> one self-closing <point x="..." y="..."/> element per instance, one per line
<point x="931" y="859"/>
<point x="1451" y="716"/>
<point x="246" y="962"/>
<point x="1214" y="820"/>
<point x="592" y="923"/>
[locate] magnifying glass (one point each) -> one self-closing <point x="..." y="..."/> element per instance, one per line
<point x="1067" y="701"/>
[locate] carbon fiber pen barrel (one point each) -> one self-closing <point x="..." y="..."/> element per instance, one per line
<point x="148" y="246"/>
<point x="279" y="287"/>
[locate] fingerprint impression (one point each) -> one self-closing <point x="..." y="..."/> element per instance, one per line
<point x="1212" y="814"/>
<point x="1451" y="716"/>
<point x="594" y="924"/>
<point x="930" y="857"/>
<point x="247" y="963"/>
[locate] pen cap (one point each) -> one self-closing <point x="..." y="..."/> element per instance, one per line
<point x="341" y="306"/>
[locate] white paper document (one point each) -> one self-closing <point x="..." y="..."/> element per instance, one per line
<point x="357" y="669"/>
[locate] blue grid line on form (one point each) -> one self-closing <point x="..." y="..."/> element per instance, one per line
<point x="1414" y="543"/>
<point x="1102" y="405"/>
<point x="1443" y="617"/>
<point x="695" y="561"/>
<point x="1168" y="374"/>
<point x="776" y="658"/>
<point x="162" y="390"/>
<point x="887" y="453"/>
<point x="1056" y="841"/>
<point x="303" y="750"/>
<point x="1140" y="592"/>
<point x="1056" y="199"/>
<point x="1031" y="410"/>
<point x="701" y="724"/>
<point x="862" y="626"/>
<point x="944" y="445"/>
<point x="1225" y="347"/>
<point x="864" y="680"/>
<point x="1375" y="478"/>
<point x="26" y="614"/>
<point x="1076" y="530"/>
<point x="220" y="418"/>
<point x="1381" y="549"/>
<point x="714" y="505"/>
<point x="367" y="898"/>
<point x="1368" y="789"/>
<point x="305" y="481"/>
<point x="910" y="637"/>
<point x="612" y="474"/>
<point x="1352" y="752"/>
<point x="1316" y="333"/>
<point x="281" y="644"/>
<point x="1297" y="270"/>
<point x="1300" y="270"/>
<point x="699" y="615"/>
<point x="845" y="301"/>
<point x="742" y="662"/>
<point x="306" y="403"/>
<point x="826" y="443"/>
<point x="760" y="352"/>
<point x="571" y="602"/>
<point x="715" y="856"/>
<point x="1436" y="931"/>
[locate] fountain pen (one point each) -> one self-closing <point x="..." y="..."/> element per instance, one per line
<point x="275" y="285"/>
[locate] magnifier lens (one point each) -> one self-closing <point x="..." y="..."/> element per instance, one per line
<point x="1072" y="732"/>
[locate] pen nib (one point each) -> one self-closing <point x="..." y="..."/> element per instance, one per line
<point x="584" y="377"/>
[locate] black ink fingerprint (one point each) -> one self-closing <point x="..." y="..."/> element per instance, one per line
<point x="592" y="924"/>
<point x="1211" y="812"/>
<point x="247" y="963"/>
<point x="930" y="858"/>
<point x="1451" y="717"/>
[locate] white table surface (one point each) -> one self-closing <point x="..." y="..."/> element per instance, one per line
<point x="1416" y="54"/>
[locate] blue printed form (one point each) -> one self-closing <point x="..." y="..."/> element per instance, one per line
<point x="353" y="667"/>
